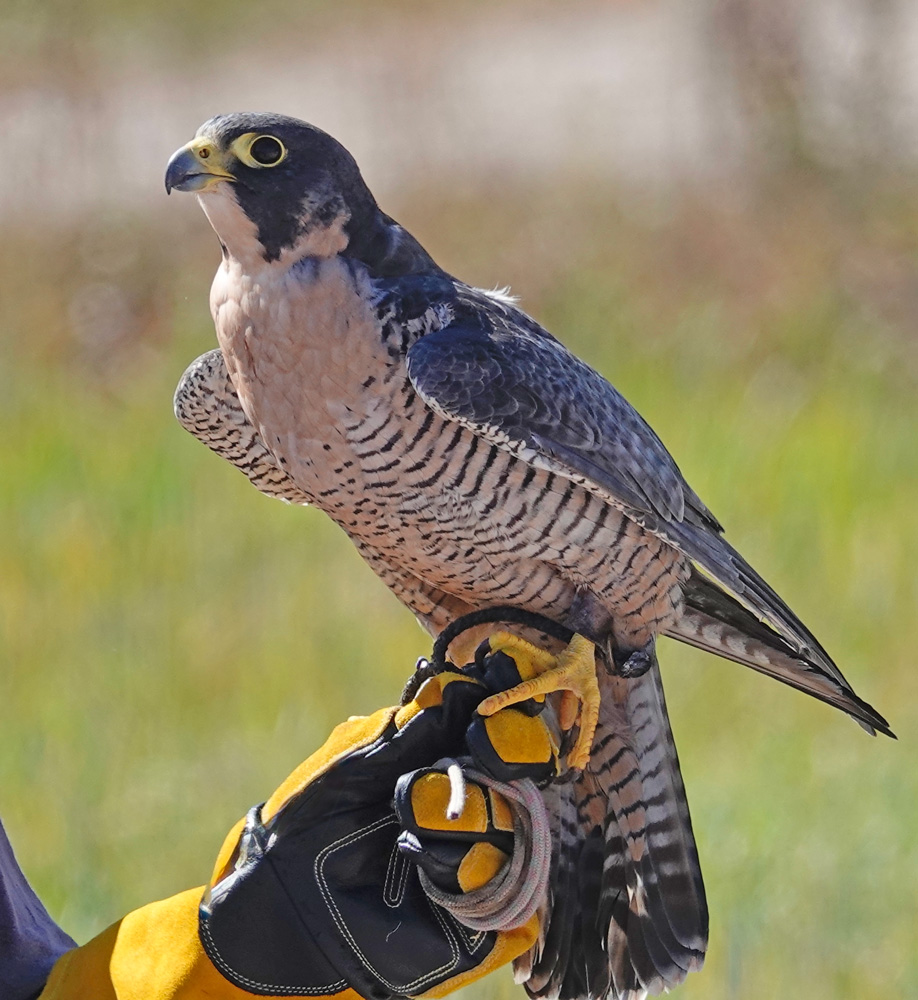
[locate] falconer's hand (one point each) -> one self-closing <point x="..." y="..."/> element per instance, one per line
<point x="406" y="857"/>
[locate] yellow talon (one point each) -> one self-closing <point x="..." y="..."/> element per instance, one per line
<point x="573" y="671"/>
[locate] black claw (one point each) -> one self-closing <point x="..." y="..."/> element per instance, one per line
<point x="636" y="663"/>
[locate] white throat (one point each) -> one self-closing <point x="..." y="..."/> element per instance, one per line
<point x="236" y="230"/>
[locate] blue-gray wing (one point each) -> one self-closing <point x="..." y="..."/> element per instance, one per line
<point x="497" y="372"/>
<point x="524" y="390"/>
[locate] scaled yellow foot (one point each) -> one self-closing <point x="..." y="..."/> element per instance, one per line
<point x="573" y="671"/>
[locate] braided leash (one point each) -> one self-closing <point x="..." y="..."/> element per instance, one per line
<point x="519" y="888"/>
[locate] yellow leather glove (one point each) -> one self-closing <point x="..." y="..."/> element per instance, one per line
<point x="328" y="888"/>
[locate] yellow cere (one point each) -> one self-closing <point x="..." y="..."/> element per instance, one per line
<point x="210" y="160"/>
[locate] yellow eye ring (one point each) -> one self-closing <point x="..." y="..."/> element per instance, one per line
<point x="263" y="151"/>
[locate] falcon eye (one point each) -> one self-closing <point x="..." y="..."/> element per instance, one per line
<point x="267" y="151"/>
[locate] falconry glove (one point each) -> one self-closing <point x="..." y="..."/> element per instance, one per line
<point x="406" y="857"/>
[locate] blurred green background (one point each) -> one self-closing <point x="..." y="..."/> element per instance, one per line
<point x="715" y="204"/>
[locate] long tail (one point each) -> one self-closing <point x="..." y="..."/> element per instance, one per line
<point x="626" y="914"/>
<point x="718" y="623"/>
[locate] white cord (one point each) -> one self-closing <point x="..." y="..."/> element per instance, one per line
<point x="456" y="791"/>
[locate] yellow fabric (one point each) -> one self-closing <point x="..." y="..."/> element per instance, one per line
<point x="518" y="738"/>
<point x="501" y="813"/>
<point x="480" y="864"/>
<point x="406" y="713"/>
<point x="226" y="858"/>
<point x="430" y="693"/>
<point x="345" y="738"/>
<point x="430" y="797"/>
<point x="509" y="945"/>
<point x="152" y="954"/>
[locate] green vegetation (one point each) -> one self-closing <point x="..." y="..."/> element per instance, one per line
<point x="173" y="643"/>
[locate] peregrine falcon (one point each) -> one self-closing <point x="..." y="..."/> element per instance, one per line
<point x="474" y="462"/>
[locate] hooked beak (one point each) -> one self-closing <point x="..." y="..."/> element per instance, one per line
<point x="196" y="167"/>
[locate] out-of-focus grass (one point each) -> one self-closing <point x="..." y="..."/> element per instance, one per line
<point x="172" y="642"/>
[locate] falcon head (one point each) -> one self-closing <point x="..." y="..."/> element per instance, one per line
<point x="273" y="186"/>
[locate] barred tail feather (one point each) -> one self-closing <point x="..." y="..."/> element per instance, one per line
<point x="627" y="912"/>
<point x="542" y="969"/>
<point x="669" y="876"/>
